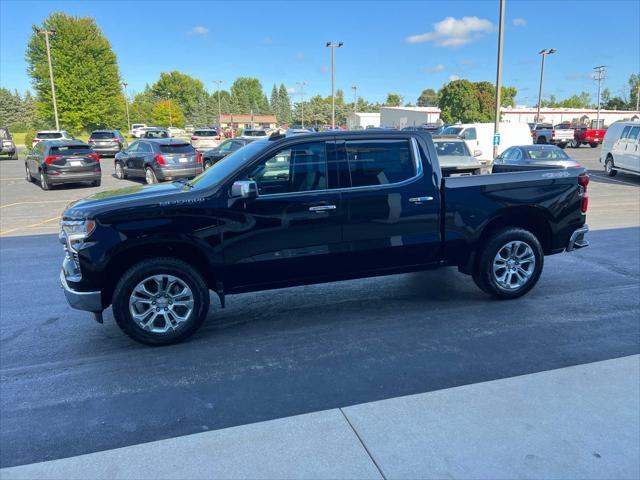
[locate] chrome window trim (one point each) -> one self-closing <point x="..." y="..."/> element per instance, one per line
<point x="419" y="173"/>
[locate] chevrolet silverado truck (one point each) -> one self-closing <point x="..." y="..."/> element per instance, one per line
<point x="559" y="135"/>
<point x="590" y="136"/>
<point x="312" y="208"/>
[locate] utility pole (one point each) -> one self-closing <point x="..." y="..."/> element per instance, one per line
<point x="46" y="34"/>
<point x="218" y="83"/>
<point x="496" y="125"/>
<point x="301" y="85"/>
<point x="544" y="53"/>
<point x="169" y="101"/>
<point x="126" y="105"/>
<point x="333" y="46"/>
<point x="355" y="98"/>
<point x="600" y="69"/>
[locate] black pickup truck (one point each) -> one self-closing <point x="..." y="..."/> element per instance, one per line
<point x="287" y="211"/>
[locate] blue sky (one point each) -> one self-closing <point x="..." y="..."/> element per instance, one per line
<point x="388" y="45"/>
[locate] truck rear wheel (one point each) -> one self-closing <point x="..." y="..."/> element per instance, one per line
<point x="509" y="264"/>
<point x="160" y="301"/>
<point x="608" y="167"/>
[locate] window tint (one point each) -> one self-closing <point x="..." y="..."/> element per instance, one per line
<point x="177" y="148"/>
<point x="547" y="154"/>
<point x="455" y="149"/>
<point x="144" y="148"/>
<point x="205" y="133"/>
<point x="227" y="146"/>
<point x="451" y="131"/>
<point x="68" y="150"/>
<point x="254" y="133"/>
<point x="379" y="162"/>
<point x="156" y="134"/>
<point x="509" y="154"/>
<point x="470" y="134"/>
<point x="133" y="147"/>
<point x="101" y="135"/>
<point x="49" y="135"/>
<point x="625" y="132"/>
<point x="299" y="168"/>
<point x="634" y="133"/>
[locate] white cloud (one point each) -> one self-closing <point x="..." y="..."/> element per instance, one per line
<point x="519" y="22"/>
<point x="293" y="91"/>
<point x="199" y="30"/>
<point x="436" y="68"/>
<point x="453" y="32"/>
<point x="300" y="56"/>
<point x="453" y="77"/>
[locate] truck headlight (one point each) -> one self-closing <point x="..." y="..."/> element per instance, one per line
<point x="77" y="231"/>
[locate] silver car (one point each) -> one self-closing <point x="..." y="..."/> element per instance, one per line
<point x="205" y="138"/>
<point x="455" y="158"/>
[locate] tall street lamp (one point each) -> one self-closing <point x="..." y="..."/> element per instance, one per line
<point x="599" y="76"/>
<point x="46" y="34"/>
<point x="218" y="83"/>
<point x="126" y="104"/>
<point x="496" y="125"/>
<point x="355" y="98"/>
<point x="544" y="53"/>
<point x="333" y="46"/>
<point x="169" y="104"/>
<point x="301" y="86"/>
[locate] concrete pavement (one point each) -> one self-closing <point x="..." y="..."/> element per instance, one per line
<point x="579" y="422"/>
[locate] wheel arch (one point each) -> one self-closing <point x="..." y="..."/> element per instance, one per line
<point x="526" y="217"/>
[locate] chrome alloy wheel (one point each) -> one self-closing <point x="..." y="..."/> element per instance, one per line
<point x="161" y="303"/>
<point x="149" y="176"/>
<point x="513" y="265"/>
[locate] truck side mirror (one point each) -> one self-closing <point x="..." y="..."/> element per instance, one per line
<point x="245" y="189"/>
<point x="477" y="153"/>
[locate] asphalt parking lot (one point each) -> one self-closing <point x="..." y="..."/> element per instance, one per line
<point x="71" y="386"/>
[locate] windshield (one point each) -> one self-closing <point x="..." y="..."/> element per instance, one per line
<point x="452" y="131"/>
<point x="453" y="149"/>
<point x="217" y="173"/>
<point x="547" y="154"/>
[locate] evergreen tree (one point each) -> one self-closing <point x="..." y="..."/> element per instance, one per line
<point x="275" y="103"/>
<point x="285" y="105"/>
<point x="85" y="70"/>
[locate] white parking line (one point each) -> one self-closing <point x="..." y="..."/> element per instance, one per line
<point x="30" y="226"/>
<point x="43" y="201"/>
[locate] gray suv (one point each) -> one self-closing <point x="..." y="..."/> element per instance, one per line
<point x="157" y="160"/>
<point x="107" y="142"/>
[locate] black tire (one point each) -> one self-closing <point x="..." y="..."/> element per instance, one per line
<point x="44" y="184"/>
<point x="119" y="171"/>
<point x="207" y="165"/>
<point x="594" y="144"/>
<point x="609" y="167"/>
<point x="575" y="144"/>
<point x="150" y="176"/>
<point x="96" y="183"/>
<point x="483" y="274"/>
<point x="160" y="266"/>
<point x="27" y="174"/>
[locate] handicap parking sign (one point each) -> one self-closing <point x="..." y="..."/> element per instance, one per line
<point x="496" y="139"/>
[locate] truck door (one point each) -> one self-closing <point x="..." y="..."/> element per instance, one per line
<point x="392" y="204"/>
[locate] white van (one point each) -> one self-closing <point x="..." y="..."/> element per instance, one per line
<point x="135" y="129"/>
<point x="479" y="137"/>
<point x="621" y="148"/>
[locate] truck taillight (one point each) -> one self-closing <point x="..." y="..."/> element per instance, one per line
<point x="49" y="160"/>
<point x="583" y="181"/>
<point x="199" y="157"/>
<point x="160" y="159"/>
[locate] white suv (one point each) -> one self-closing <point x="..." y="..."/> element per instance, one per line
<point x="51" y="135"/>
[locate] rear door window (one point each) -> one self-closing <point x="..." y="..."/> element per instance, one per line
<point x="379" y="162"/>
<point x="177" y="148"/>
<point x="633" y="134"/>
<point x="470" y="134"/>
<point x="625" y="132"/>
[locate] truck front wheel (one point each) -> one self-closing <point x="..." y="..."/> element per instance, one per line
<point x="160" y="301"/>
<point x="509" y="263"/>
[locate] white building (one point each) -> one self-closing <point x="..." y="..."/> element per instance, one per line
<point x="361" y="120"/>
<point x="400" y="117"/>
<point x="559" y="115"/>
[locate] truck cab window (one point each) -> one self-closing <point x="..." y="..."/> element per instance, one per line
<point x="298" y="168"/>
<point x="470" y="134"/>
<point x="379" y="162"/>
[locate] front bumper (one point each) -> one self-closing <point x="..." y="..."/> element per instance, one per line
<point x="577" y="239"/>
<point x="88" y="301"/>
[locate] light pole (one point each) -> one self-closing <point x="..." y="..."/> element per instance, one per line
<point x="218" y="83"/>
<point x="301" y="85"/>
<point x="169" y="102"/>
<point x="126" y="104"/>
<point x="355" y="98"/>
<point x="333" y="46"/>
<point x="46" y="34"/>
<point x="544" y="53"/>
<point x="496" y="125"/>
<point x="600" y="69"/>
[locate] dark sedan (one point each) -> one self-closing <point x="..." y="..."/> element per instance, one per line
<point x="225" y="148"/>
<point x="543" y="155"/>
<point x="157" y="160"/>
<point x="57" y="162"/>
<point x="107" y="142"/>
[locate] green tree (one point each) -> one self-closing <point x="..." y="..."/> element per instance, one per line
<point x="200" y="114"/>
<point x="142" y="106"/>
<point x="284" y="103"/>
<point x="166" y="113"/>
<point x="10" y="108"/>
<point x="247" y="96"/>
<point x="615" y="103"/>
<point x="486" y="95"/>
<point x="428" y="98"/>
<point x="28" y="111"/>
<point x="634" y="84"/>
<point x="85" y="70"/>
<point x="181" y="88"/>
<point x="458" y="102"/>
<point x="508" y="96"/>
<point x="393" y="100"/>
<point x="275" y="103"/>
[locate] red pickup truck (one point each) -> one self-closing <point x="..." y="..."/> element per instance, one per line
<point x="583" y="134"/>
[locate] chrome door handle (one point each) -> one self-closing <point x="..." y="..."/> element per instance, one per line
<point x="420" y="199"/>
<point x="322" y="208"/>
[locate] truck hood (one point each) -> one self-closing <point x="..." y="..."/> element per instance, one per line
<point x="134" y="196"/>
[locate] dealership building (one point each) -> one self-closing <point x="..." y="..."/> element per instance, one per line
<point x="559" y="115"/>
